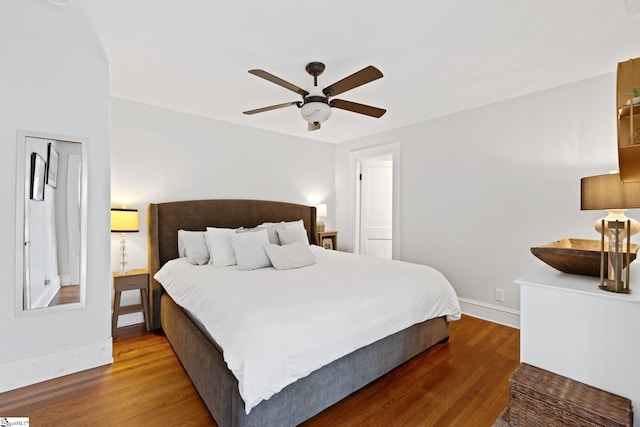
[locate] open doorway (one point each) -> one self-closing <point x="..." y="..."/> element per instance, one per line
<point x="376" y="201"/>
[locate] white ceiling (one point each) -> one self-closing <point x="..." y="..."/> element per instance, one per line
<point x="437" y="57"/>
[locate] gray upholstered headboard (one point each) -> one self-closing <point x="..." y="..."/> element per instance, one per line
<point x="165" y="219"/>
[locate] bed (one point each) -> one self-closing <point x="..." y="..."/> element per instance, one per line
<point x="203" y="358"/>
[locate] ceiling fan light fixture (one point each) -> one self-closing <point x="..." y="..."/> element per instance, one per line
<point x="315" y="107"/>
<point x="315" y="112"/>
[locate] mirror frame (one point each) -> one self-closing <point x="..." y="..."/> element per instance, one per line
<point x="22" y="199"/>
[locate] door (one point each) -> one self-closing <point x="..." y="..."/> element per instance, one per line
<point x="376" y="207"/>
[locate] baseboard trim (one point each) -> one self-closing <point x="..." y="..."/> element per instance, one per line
<point x="24" y="372"/>
<point x="47" y="296"/>
<point x="492" y="313"/>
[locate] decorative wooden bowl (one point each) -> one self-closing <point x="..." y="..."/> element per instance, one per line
<point x="577" y="256"/>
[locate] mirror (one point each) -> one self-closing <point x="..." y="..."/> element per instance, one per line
<point x="51" y="222"/>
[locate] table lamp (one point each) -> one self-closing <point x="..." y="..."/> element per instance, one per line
<point x="610" y="193"/>
<point x="321" y="212"/>
<point x="124" y="221"/>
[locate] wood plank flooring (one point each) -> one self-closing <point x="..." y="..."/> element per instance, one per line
<point x="461" y="383"/>
<point x="66" y="295"/>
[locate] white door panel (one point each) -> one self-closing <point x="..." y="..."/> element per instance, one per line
<point x="376" y="208"/>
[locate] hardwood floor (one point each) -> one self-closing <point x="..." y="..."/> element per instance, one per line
<point x="66" y="295"/>
<point x="461" y="383"/>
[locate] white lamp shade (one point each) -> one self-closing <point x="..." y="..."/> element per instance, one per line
<point x="315" y="112"/>
<point x="321" y="210"/>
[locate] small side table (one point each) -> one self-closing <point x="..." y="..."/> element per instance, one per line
<point x="135" y="279"/>
<point x="328" y="239"/>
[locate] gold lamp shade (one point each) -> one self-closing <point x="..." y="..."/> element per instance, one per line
<point x="124" y="220"/>
<point x="608" y="192"/>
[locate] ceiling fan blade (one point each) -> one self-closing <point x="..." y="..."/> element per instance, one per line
<point x="271" y="107"/>
<point x="277" y="80"/>
<point x="367" y="110"/>
<point x="313" y="126"/>
<point x="359" y="78"/>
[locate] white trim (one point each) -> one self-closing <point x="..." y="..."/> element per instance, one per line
<point x="22" y="213"/>
<point x="393" y="149"/>
<point x="46" y="298"/>
<point x="358" y="205"/>
<point x="24" y="372"/>
<point x="492" y="313"/>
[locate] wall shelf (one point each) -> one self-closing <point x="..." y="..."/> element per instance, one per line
<point x="628" y="120"/>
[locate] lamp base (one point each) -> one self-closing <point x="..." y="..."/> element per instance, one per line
<point x="617" y="215"/>
<point x="619" y="254"/>
<point x="616" y="286"/>
<point x="123" y="255"/>
<point x="320" y="225"/>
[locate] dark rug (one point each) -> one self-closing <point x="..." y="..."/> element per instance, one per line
<point x="503" y="421"/>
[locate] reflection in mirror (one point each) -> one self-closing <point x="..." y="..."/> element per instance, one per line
<point x="53" y="245"/>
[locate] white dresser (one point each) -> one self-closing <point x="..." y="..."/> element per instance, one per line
<point x="571" y="327"/>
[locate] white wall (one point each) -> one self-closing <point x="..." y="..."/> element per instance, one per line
<point x="58" y="88"/>
<point x="160" y="155"/>
<point x="479" y="188"/>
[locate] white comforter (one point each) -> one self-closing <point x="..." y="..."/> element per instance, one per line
<point x="278" y="326"/>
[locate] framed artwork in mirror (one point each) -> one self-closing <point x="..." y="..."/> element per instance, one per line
<point x="38" y="167"/>
<point x="52" y="166"/>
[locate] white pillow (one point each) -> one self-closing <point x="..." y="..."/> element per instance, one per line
<point x="272" y="231"/>
<point x="193" y="245"/>
<point x="287" y="223"/>
<point x="295" y="223"/>
<point x="219" y="241"/>
<point x="181" y="236"/>
<point x="293" y="234"/>
<point x="249" y="250"/>
<point x="294" y="255"/>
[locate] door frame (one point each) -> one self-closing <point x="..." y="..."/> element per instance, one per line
<point x="356" y="157"/>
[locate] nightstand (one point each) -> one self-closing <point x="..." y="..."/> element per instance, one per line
<point x="135" y="279"/>
<point x="328" y="239"/>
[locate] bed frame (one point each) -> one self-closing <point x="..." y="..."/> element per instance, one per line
<point x="202" y="358"/>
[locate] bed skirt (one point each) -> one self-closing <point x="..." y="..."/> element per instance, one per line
<point x="302" y="399"/>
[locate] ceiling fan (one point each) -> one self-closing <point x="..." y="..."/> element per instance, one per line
<point x="315" y="106"/>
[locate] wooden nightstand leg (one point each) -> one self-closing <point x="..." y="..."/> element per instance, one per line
<point x="116" y="309"/>
<point x="145" y="306"/>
